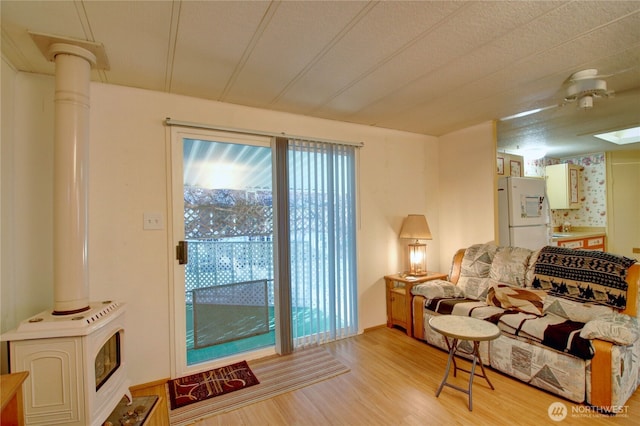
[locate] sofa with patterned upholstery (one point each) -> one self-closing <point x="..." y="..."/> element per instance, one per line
<point x="568" y="318"/>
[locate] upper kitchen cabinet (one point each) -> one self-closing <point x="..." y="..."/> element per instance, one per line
<point x="563" y="186"/>
<point x="510" y="165"/>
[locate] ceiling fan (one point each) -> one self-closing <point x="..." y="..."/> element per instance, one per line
<point x="581" y="87"/>
<point x="586" y="85"/>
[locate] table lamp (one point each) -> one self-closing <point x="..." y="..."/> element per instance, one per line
<point x="415" y="227"/>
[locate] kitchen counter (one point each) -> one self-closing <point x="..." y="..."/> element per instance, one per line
<point x="575" y="235"/>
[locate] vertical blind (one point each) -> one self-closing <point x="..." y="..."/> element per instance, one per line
<point x="322" y="233"/>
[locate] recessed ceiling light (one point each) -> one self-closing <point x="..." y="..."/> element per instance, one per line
<point x="621" y="137"/>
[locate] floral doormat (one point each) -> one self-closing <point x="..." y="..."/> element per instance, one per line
<point x="198" y="387"/>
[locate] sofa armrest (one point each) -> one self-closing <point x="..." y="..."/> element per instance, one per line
<point x="456" y="266"/>
<point x="633" y="280"/>
<point x="618" y="329"/>
<point x="418" y="316"/>
<point x="601" y="374"/>
<point x="613" y="376"/>
<point x="437" y="289"/>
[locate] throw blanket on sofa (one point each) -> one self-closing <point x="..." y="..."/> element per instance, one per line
<point x="464" y="307"/>
<point x="548" y="330"/>
<point x="583" y="275"/>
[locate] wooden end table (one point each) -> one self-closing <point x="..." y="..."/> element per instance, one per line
<point x="398" y="293"/>
<point x="455" y="328"/>
<point x="12" y="398"/>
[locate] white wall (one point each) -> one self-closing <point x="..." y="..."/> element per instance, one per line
<point x="7" y="313"/>
<point x="27" y="191"/>
<point x="468" y="193"/>
<point x="6" y="168"/>
<point x="399" y="175"/>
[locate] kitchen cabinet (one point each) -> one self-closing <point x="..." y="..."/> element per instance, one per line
<point x="589" y="243"/>
<point x="563" y="186"/>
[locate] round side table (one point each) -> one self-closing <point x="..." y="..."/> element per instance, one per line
<point x="455" y="328"/>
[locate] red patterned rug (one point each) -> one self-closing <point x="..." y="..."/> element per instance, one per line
<point x="198" y="387"/>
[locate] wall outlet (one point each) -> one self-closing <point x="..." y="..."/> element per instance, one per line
<point x="153" y="220"/>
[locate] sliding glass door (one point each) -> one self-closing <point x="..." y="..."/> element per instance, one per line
<point x="227" y="296"/>
<point x="223" y="225"/>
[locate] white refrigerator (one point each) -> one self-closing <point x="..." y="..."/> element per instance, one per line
<point x="523" y="212"/>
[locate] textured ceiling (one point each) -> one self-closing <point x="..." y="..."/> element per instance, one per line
<point x="424" y="67"/>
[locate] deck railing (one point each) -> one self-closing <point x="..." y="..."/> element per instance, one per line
<point x="214" y="263"/>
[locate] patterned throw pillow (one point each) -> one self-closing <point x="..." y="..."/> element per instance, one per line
<point x="516" y="298"/>
<point x="437" y="289"/>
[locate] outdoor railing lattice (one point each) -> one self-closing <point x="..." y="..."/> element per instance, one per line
<point x="214" y="263"/>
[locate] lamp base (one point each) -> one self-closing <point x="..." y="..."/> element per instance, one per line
<point x="417" y="259"/>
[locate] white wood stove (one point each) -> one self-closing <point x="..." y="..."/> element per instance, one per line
<point x="76" y="364"/>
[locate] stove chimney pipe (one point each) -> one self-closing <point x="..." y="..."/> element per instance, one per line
<point x="71" y="174"/>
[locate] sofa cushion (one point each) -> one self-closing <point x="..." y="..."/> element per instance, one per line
<point x="474" y="270"/>
<point x="531" y="270"/>
<point x="574" y="310"/>
<point x="474" y="287"/>
<point x="437" y="289"/>
<point x="510" y="265"/>
<point x="617" y="328"/>
<point x="477" y="260"/>
<point x="516" y="298"/>
<point x="560" y="373"/>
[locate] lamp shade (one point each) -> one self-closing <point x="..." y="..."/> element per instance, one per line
<point x="415" y="227"/>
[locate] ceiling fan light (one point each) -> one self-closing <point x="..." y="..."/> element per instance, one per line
<point x="585" y="102"/>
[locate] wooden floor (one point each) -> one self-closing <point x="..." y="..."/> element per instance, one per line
<point x="393" y="380"/>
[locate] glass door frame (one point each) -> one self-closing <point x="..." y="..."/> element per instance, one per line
<point x="177" y="300"/>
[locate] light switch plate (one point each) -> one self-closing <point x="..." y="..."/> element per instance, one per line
<point x="153" y="220"/>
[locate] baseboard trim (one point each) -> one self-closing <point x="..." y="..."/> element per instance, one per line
<point x="148" y="385"/>
<point x="375" y="327"/>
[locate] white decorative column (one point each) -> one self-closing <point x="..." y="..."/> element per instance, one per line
<point x="71" y="167"/>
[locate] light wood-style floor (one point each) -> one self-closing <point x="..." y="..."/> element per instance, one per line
<point x="393" y="380"/>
